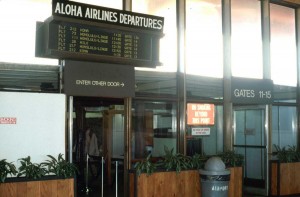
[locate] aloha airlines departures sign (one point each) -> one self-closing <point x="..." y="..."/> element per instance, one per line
<point x="106" y="15"/>
<point x="83" y="32"/>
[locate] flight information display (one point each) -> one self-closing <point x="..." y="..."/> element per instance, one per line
<point x="78" y="31"/>
<point x="77" y="38"/>
<point x="66" y="40"/>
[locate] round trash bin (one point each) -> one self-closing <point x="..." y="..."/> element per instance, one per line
<point x="214" y="178"/>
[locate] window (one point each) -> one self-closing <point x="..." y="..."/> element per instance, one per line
<point x="283" y="45"/>
<point x="168" y="44"/>
<point x="204" y="50"/>
<point x="18" y="20"/>
<point x="284" y="126"/>
<point x="246" y="39"/>
<point x="154" y="127"/>
<point x="209" y="142"/>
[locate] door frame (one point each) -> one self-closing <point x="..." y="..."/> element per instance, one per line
<point x="265" y="108"/>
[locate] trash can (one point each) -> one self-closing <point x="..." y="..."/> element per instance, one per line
<point x="214" y="178"/>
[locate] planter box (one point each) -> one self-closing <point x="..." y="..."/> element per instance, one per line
<point x="186" y="183"/>
<point x="284" y="178"/>
<point x="236" y="182"/>
<point x="45" y="187"/>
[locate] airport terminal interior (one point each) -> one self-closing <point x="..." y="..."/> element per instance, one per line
<point x="224" y="76"/>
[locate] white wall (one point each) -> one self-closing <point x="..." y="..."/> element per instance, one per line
<point x="40" y="126"/>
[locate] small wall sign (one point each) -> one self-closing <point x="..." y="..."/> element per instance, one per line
<point x="200" y="131"/>
<point x="200" y="114"/>
<point x="8" y="120"/>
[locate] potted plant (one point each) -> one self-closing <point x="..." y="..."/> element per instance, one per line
<point x="6" y="168"/>
<point x="33" y="178"/>
<point x="231" y="159"/>
<point x="145" y="166"/>
<point x="175" y="162"/>
<point x="175" y="174"/>
<point x="284" y="173"/>
<point x="60" y="167"/>
<point x="30" y="170"/>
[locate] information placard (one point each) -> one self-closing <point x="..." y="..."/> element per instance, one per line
<point x="76" y="38"/>
<point x="200" y="114"/>
<point x="83" y="32"/>
<point x="98" y="79"/>
<point x="251" y="91"/>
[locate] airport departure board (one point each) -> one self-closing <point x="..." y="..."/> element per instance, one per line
<point x="84" y="42"/>
<point x="83" y="39"/>
<point x="83" y="32"/>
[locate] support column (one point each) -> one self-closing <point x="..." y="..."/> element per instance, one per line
<point x="181" y="77"/>
<point x="127" y="5"/>
<point x="297" y="15"/>
<point x="228" y="111"/>
<point x="127" y="143"/>
<point x="266" y="39"/>
<point x="70" y="129"/>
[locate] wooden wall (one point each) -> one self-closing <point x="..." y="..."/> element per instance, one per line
<point x="47" y="188"/>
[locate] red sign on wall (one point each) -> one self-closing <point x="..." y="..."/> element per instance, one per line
<point x="200" y="114"/>
<point x="8" y="120"/>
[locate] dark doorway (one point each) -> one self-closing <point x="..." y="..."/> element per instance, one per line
<point x="250" y="140"/>
<point x="98" y="124"/>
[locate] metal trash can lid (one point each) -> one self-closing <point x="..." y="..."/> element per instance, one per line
<point x="214" y="166"/>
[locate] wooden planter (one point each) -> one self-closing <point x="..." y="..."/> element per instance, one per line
<point x="186" y="183"/>
<point x="284" y="178"/>
<point x="38" y="188"/>
<point x="236" y="182"/>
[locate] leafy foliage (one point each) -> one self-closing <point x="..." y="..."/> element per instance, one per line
<point x="145" y="166"/>
<point x="31" y="170"/>
<point x="232" y="159"/>
<point x="198" y="161"/>
<point x="6" y="169"/>
<point x="56" y="166"/>
<point x="60" y="167"/>
<point x="179" y="162"/>
<point x="287" y="154"/>
<point x="176" y="161"/>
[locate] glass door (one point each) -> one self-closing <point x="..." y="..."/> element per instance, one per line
<point x="250" y="140"/>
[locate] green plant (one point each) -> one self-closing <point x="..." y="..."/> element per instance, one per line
<point x="287" y="154"/>
<point x="60" y="167"/>
<point x="197" y="161"/>
<point x="176" y="161"/>
<point x="31" y="170"/>
<point x="6" y="168"/>
<point x="232" y="159"/>
<point x="145" y="166"/>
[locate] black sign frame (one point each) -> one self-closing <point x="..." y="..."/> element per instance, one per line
<point x="251" y="91"/>
<point x="78" y="11"/>
<point x="70" y="13"/>
<point x="98" y="79"/>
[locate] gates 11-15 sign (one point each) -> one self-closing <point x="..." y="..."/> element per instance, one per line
<point x="78" y="31"/>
